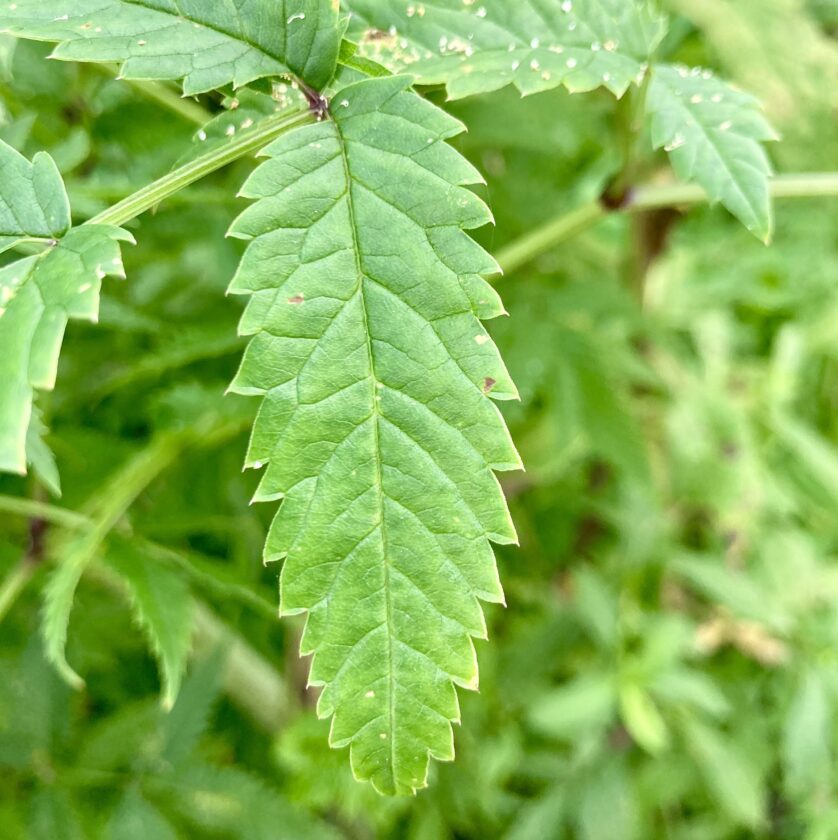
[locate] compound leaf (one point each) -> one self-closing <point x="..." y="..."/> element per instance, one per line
<point x="377" y="428"/>
<point x="480" y="47"/>
<point x="33" y="201"/>
<point x="205" y="43"/>
<point x="713" y="134"/>
<point x="37" y="297"/>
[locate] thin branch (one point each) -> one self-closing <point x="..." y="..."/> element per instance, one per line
<point x="42" y="510"/>
<point x="546" y="237"/>
<point x="243" y="144"/>
<point x="641" y="199"/>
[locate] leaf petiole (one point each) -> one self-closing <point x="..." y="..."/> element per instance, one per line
<point x="246" y="143"/>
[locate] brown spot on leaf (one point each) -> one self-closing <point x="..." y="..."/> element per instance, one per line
<point x="488" y="384"/>
<point x="296" y="300"/>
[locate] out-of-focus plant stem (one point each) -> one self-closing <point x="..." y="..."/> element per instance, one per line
<point x="641" y="199"/>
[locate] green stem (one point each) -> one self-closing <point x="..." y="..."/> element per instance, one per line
<point x="245" y="143"/>
<point x="549" y="235"/>
<point x="556" y="231"/>
<point x="41" y="510"/>
<point x="13" y="585"/>
<point x="805" y="185"/>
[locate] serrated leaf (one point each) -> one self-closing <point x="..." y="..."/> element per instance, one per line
<point x="39" y="456"/>
<point x="713" y="134"/>
<point x="205" y="43"/>
<point x="189" y="717"/>
<point x="163" y="608"/>
<point x="231" y="802"/>
<point x="377" y="428"/>
<point x="33" y="201"/>
<point x="534" y="44"/>
<point x="137" y="819"/>
<point x="39" y="295"/>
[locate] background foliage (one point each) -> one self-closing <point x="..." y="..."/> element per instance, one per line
<point x="666" y="666"/>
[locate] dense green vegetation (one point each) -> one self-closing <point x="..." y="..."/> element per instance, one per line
<point x="665" y="663"/>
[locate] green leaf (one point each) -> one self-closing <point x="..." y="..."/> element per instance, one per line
<point x="377" y="426"/>
<point x="578" y="708"/>
<point x="205" y="44"/>
<point x="693" y="689"/>
<point x="607" y="808"/>
<point x="593" y="400"/>
<point x="813" y="456"/>
<point x="52" y="816"/>
<point x="740" y="593"/>
<point x="137" y="819"/>
<point x="33" y="201"/>
<point x="39" y="456"/>
<point x="642" y="719"/>
<point x="231" y="802"/>
<point x="729" y="776"/>
<point x="163" y="608"/>
<point x="713" y="135"/>
<point x="107" y="506"/>
<point x="534" y="44"/>
<point x="807" y="735"/>
<point x="39" y="295"/>
<point x="189" y="717"/>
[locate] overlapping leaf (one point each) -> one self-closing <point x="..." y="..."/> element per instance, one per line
<point x="713" y="134"/>
<point x="37" y="297"/>
<point x="206" y="43"/>
<point x="377" y="428"/>
<point x="33" y="201"/>
<point x="534" y="44"/>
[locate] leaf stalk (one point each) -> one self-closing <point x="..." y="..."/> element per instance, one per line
<point x="650" y="197"/>
<point x="246" y="143"/>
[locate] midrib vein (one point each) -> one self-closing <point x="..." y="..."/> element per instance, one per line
<point x="376" y="415"/>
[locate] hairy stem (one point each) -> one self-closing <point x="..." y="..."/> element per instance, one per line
<point x="641" y="199"/>
<point x="245" y="143"/>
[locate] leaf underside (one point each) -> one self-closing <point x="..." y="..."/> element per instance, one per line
<point x="33" y="201"/>
<point x="713" y="135"/>
<point x="38" y="296"/>
<point x="481" y="47"/>
<point x="205" y="43"/>
<point x="377" y="428"/>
